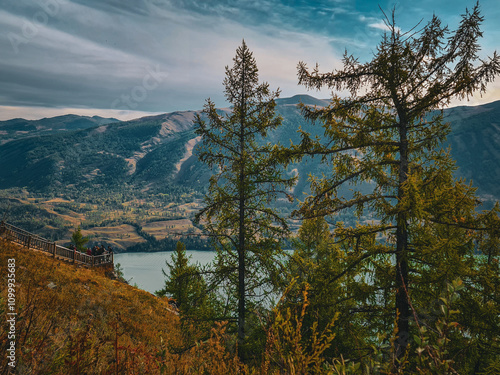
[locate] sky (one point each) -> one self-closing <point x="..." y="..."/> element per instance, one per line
<point x="130" y="58"/>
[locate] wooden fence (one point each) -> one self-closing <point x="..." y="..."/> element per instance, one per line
<point x="32" y="241"/>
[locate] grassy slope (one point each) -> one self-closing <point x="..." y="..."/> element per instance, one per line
<point x="73" y="327"/>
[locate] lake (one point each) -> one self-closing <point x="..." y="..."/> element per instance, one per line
<point x="144" y="269"/>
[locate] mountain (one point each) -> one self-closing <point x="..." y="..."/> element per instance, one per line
<point x="304" y="99"/>
<point x="475" y="145"/>
<point x="20" y="128"/>
<point x="131" y="183"/>
<point x="77" y="152"/>
<point x="106" y="153"/>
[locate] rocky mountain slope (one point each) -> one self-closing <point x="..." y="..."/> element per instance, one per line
<point x="72" y="153"/>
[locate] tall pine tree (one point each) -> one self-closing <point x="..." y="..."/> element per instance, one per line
<point x="237" y="213"/>
<point x="383" y="142"/>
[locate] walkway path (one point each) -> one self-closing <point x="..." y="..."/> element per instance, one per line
<point x="32" y="241"/>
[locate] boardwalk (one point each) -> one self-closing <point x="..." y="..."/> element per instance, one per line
<point x="32" y="241"/>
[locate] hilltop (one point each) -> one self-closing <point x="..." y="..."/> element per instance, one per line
<point x="20" y="128"/>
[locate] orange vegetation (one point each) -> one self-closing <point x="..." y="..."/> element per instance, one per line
<point x="74" y="320"/>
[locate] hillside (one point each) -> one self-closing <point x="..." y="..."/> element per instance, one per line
<point x="475" y="145"/>
<point x="116" y="178"/>
<point x="103" y="155"/>
<point x="70" y="153"/>
<point x="79" y="319"/>
<point x="19" y="128"/>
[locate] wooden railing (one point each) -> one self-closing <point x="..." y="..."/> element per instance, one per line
<point x="32" y="241"/>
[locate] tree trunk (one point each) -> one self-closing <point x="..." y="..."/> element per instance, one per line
<point x="402" y="302"/>
<point x="241" y="234"/>
<point x="241" y="281"/>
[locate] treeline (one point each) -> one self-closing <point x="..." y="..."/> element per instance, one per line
<point x="170" y="243"/>
<point x="193" y="242"/>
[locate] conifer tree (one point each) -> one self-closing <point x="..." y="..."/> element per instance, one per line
<point x="197" y="306"/>
<point x="386" y="136"/>
<point x="238" y="215"/>
<point x="183" y="282"/>
<point x="78" y="240"/>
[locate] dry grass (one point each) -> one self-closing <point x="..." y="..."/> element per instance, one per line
<point x="74" y="320"/>
<point x="162" y="229"/>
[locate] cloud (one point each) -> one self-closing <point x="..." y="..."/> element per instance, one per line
<point x="91" y="53"/>
<point x="379" y="25"/>
<point x="492" y="94"/>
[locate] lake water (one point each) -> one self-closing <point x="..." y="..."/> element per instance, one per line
<point x="144" y="269"/>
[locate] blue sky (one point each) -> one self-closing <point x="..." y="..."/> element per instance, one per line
<point x="127" y="58"/>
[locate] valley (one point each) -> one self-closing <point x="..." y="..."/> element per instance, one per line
<point x="136" y="185"/>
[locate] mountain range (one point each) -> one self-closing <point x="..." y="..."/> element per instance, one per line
<point x="61" y="172"/>
<point x="77" y="151"/>
<point x="21" y="128"/>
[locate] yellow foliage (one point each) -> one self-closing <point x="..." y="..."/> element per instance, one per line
<point x="288" y="351"/>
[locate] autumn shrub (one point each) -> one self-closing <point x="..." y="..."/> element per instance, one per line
<point x="288" y="349"/>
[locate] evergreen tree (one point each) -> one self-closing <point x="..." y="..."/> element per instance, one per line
<point x="415" y="221"/>
<point x="78" y="240"/>
<point x="184" y="283"/>
<point x="238" y="215"/>
<point x="311" y="247"/>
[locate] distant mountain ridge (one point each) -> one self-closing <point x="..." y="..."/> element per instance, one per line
<point x="20" y="128"/>
<point x="304" y="99"/>
<point x="75" y="152"/>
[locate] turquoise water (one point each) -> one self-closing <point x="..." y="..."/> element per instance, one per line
<point x="144" y="269"/>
